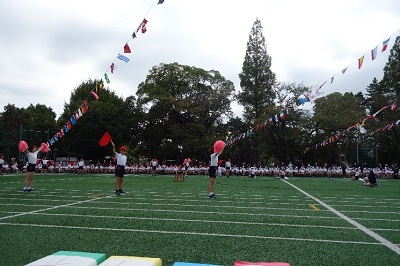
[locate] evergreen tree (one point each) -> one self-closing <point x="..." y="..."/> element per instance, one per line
<point x="256" y="79"/>
<point x="391" y="73"/>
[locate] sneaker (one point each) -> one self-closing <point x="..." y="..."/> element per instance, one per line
<point x="30" y="189"/>
<point x="25" y="190"/>
<point x="212" y="196"/>
<point x="117" y="193"/>
<point x="121" y="191"/>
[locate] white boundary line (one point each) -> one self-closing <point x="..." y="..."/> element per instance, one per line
<point x="374" y="235"/>
<point x="54" y="207"/>
<point x="193" y="233"/>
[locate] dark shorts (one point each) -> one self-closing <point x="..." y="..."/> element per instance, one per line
<point x="31" y="168"/>
<point x="119" y="171"/>
<point x="154" y="167"/>
<point x="227" y="168"/>
<point x="81" y="167"/>
<point x="212" y="171"/>
<point x="186" y="168"/>
<point x="44" y="166"/>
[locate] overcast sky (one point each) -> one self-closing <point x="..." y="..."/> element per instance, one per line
<point x="49" y="47"/>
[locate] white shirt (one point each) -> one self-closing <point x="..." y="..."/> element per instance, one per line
<point x="81" y="163"/>
<point x="227" y="164"/>
<point x="121" y="159"/>
<point x="44" y="162"/>
<point x="32" y="157"/>
<point x="214" y="159"/>
<point x="1" y="161"/>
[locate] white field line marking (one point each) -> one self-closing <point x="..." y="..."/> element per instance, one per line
<point x="202" y="212"/>
<point x="195" y="220"/>
<point x="374" y="235"/>
<point x="53" y="207"/>
<point x="193" y="233"/>
<point x="212" y="221"/>
<point x="208" y="221"/>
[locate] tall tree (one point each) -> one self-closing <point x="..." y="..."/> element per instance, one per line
<point x="389" y="141"/>
<point x="184" y="105"/>
<point x="256" y="79"/>
<point x="32" y="125"/>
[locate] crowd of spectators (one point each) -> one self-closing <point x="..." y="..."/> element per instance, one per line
<point x="289" y="170"/>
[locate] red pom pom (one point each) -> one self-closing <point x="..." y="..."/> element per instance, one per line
<point x="22" y="146"/>
<point x="45" y="147"/>
<point x="219" y="145"/>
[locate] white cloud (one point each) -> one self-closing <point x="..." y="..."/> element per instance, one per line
<point x="50" y="47"/>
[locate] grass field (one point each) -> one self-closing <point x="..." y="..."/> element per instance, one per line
<point x="304" y="221"/>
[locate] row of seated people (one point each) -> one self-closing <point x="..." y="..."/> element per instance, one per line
<point x="291" y="171"/>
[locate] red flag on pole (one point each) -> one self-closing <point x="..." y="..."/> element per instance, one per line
<point x="105" y="139"/>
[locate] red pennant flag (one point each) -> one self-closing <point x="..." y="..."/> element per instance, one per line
<point x="144" y="28"/>
<point x="143" y="24"/>
<point x="105" y="139"/>
<point x="84" y="107"/>
<point x="127" y="49"/>
<point x="95" y="96"/>
<point x="385" y="45"/>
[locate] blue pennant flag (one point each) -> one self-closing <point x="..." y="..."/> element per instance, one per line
<point x="123" y="58"/>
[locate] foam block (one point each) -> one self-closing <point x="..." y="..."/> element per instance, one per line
<point x="131" y="261"/>
<point x="192" y="264"/>
<point x="71" y="258"/>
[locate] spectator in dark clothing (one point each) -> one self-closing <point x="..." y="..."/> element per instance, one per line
<point x="370" y="180"/>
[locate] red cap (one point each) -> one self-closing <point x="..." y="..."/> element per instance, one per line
<point x="123" y="148"/>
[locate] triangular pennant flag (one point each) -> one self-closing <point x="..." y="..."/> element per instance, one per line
<point x="332" y="78"/>
<point x="385" y="44"/>
<point x="127" y="49"/>
<point x="106" y="78"/>
<point x="134" y="35"/>
<point x="112" y="68"/>
<point x="123" y="58"/>
<point x="105" y="139"/>
<point x="374" y="53"/>
<point x="344" y="70"/>
<point x="160" y="2"/>
<point x="360" y="61"/>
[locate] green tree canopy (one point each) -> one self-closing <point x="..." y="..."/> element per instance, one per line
<point x="184" y="105"/>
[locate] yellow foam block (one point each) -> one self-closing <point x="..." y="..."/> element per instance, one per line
<point x="55" y="260"/>
<point x="131" y="261"/>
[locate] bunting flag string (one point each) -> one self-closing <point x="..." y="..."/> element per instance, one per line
<point x="98" y="87"/>
<point x="360" y="62"/>
<point x="338" y="135"/>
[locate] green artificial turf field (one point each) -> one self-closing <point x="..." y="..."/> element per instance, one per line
<point x="303" y="221"/>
